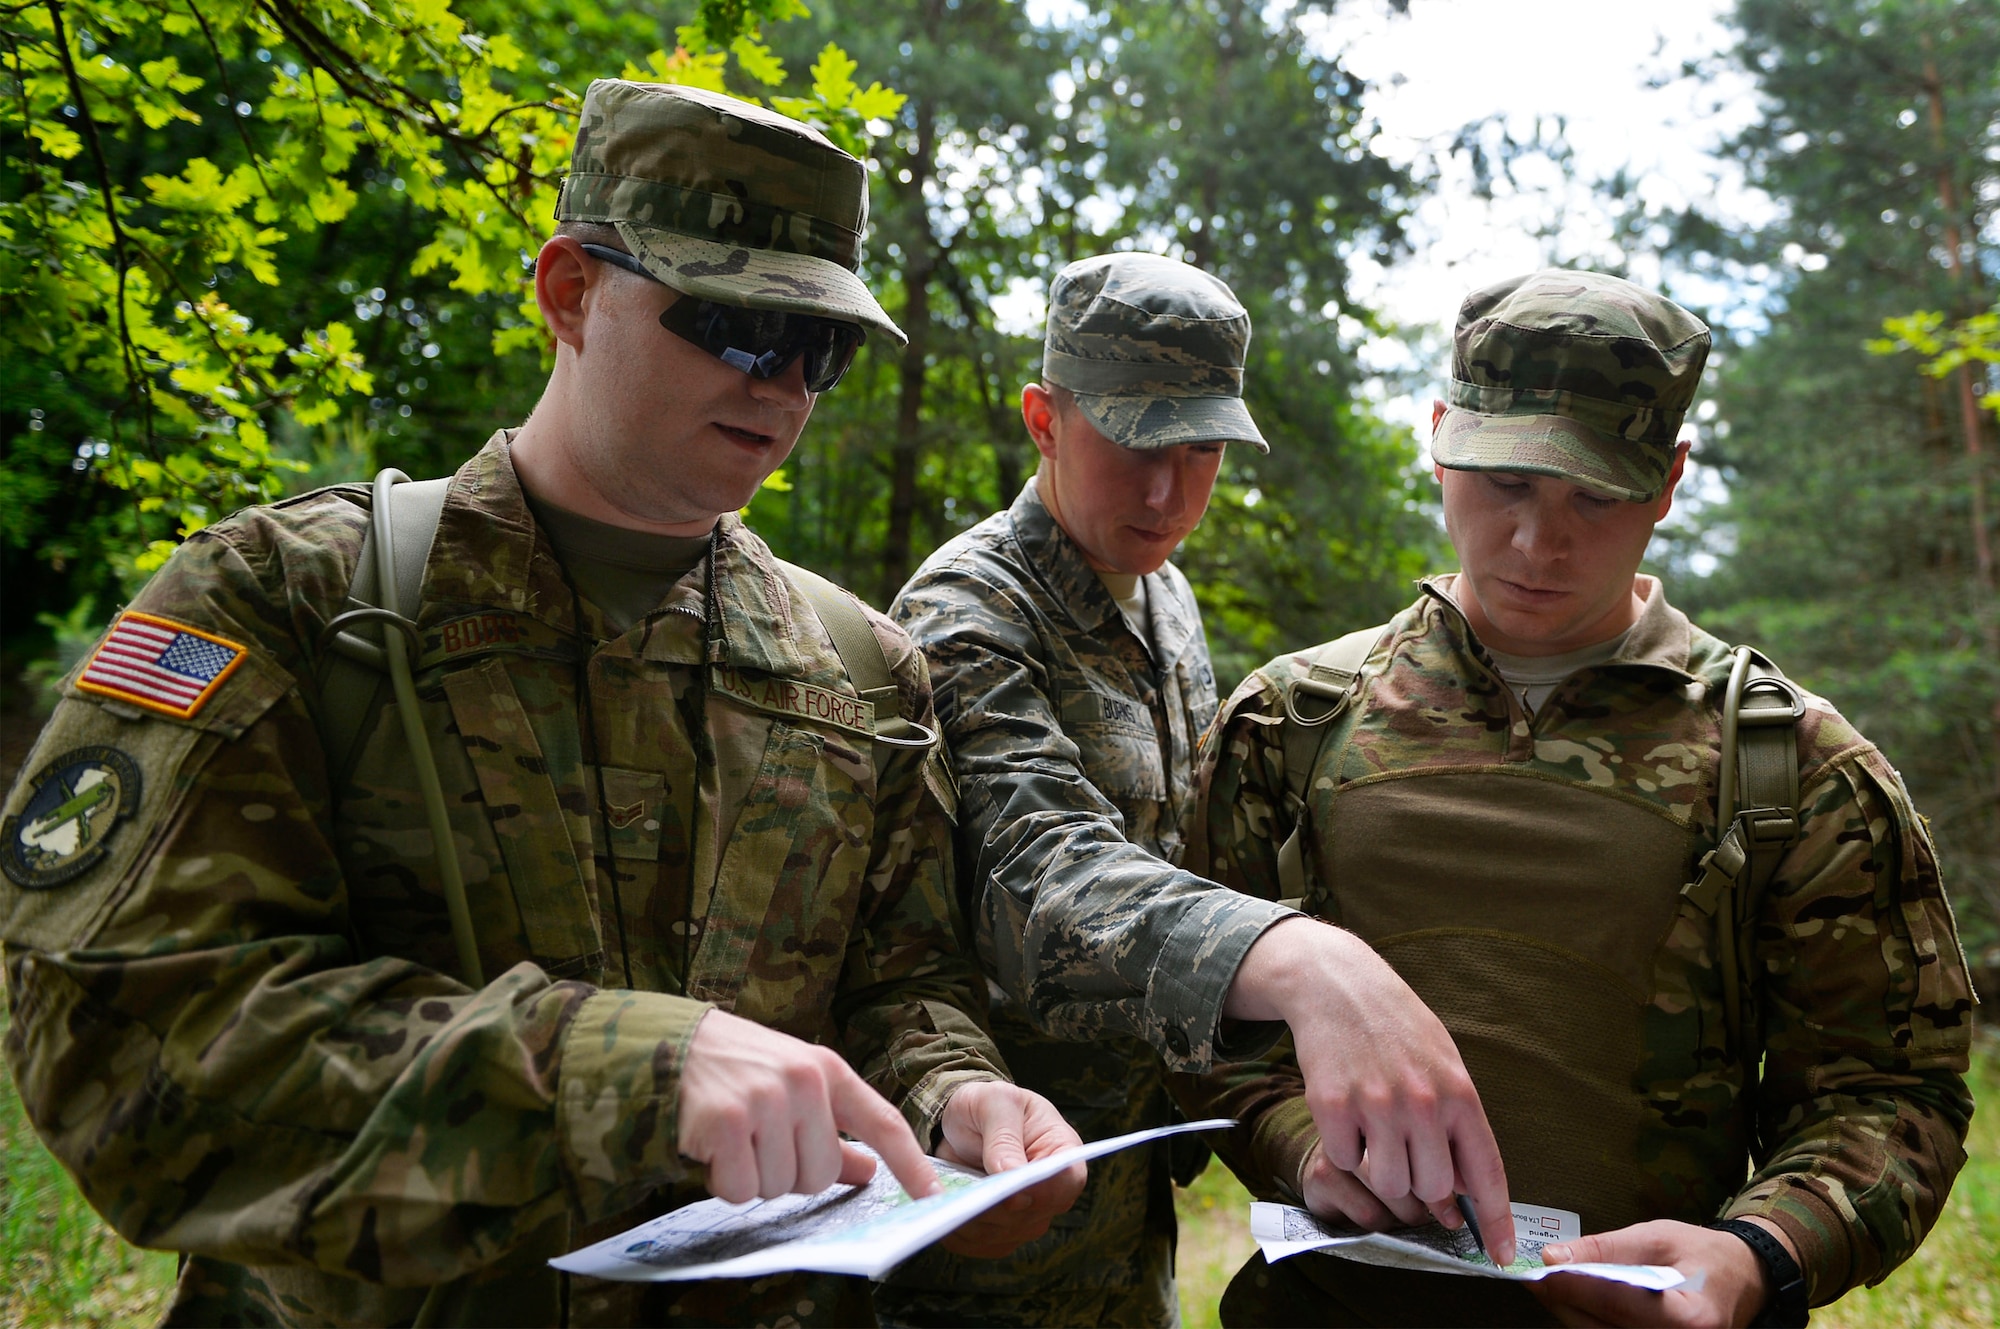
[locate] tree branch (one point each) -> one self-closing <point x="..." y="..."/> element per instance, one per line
<point x="135" y="381"/>
<point x="222" y="72"/>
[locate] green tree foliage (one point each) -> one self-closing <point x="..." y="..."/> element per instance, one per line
<point x="1209" y="131"/>
<point x="146" y="217"/>
<point x="234" y="234"/>
<point x="324" y="214"/>
<point x="1855" y="523"/>
<point x="1948" y="347"/>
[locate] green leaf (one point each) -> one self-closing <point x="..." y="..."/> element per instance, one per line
<point x="758" y="61"/>
<point x="166" y="74"/>
<point x="59" y="141"/>
<point x="878" y="103"/>
<point x="833" y="77"/>
<point x="201" y="187"/>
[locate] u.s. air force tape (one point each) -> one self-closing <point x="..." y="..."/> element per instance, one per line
<point x="79" y="799"/>
<point x="785" y="696"/>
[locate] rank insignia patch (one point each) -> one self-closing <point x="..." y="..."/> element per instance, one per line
<point x="78" y="800"/>
<point x="159" y="664"/>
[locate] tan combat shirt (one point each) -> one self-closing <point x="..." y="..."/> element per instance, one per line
<point x="1523" y="873"/>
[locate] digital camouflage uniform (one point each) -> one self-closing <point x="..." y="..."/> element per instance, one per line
<point x="235" y="1015"/>
<point x="1524" y="873"/>
<point x="1073" y="740"/>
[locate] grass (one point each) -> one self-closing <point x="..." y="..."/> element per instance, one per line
<point x="1953" y="1280"/>
<point x="59" y="1265"/>
<point x="1215" y="1240"/>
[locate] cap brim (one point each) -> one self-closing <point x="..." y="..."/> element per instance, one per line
<point x="1144" y="423"/>
<point x="756" y="278"/>
<point x="1552" y="445"/>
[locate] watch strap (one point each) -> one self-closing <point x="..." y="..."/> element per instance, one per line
<point x="1785" y="1308"/>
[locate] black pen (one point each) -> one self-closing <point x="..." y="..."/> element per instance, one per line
<point x="1472" y="1226"/>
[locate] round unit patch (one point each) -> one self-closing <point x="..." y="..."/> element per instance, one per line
<point x="78" y="800"/>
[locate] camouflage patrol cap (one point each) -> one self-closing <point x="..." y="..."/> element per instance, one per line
<point x="724" y="200"/>
<point x="1571" y="374"/>
<point x="1152" y="349"/>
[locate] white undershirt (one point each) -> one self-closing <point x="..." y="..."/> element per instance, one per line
<point x="1534" y="677"/>
<point x="1129" y="591"/>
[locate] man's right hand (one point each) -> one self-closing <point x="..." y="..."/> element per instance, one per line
<point x="1383" y="1079"/>
<point x="1333" y="1192"/>
<point x="763" y="1111"/>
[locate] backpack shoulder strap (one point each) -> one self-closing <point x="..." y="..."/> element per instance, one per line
<point x="1757" y="820"/>
<point x="1312" y="701"/>
<point x="350" y="680"/>
<point x="861" y="654"/>
<point x="1766" y="709"/>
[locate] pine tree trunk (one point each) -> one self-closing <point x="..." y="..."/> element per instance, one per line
<point x="1968" y="398"/>
<point x="920" y="260"/>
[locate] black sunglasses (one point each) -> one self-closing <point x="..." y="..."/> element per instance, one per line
<point x="760" y="342"/>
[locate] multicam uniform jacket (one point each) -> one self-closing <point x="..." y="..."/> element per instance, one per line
<point x="240" y="1025"/>
<point x="1073" y="742"/>
<point x="1523" y="873"/>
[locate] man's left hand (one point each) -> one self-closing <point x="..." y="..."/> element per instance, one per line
<point x="1731" y="1294"/>
<point x="995" y="1126"/>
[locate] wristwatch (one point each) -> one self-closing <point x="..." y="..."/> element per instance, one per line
<point x="1785" y="1308"/>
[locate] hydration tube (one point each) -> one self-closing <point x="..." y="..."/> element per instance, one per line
<point x="399" y="639"/>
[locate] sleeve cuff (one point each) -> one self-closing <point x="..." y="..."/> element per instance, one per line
<point x="1283" y="1138"/>
<point x="1191" y="977"/>
<point x="1247" y="1040"/>
<point x="957" y="1053"/>
<point x="1814" y="1223"/>
<point x="924" y="1107"/>
<point x="618" y="1106"/>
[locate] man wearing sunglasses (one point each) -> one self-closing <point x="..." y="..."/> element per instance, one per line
<point x="708" y="883"/>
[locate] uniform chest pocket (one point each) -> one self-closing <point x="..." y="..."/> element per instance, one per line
<point x="1198" y="694"/>
<point x="789" y="882"/>
<point x="1114" y="734"/>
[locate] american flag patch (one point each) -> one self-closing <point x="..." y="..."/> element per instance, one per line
<point x="159" y="664"/>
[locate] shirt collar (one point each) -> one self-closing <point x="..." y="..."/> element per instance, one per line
<point x="1060" y="562"/>
<point x="1661" y="638"/>
<point x="489" y="555"/>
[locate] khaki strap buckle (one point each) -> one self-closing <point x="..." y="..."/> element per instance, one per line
<point x="1335" y="697"/>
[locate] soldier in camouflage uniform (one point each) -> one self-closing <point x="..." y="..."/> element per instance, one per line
<point x="719" y="910"/>
<point x="1509" y="810"/>
<point x="1073" y="685"/>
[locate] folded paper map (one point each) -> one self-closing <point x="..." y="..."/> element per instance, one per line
<point x="866" y="1229"/>
<point x="1281" y="1230"/>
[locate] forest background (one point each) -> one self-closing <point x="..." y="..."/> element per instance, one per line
<point x="249" y="247"/>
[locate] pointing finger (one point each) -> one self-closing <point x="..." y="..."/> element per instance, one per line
<point x="867" y="1116"/>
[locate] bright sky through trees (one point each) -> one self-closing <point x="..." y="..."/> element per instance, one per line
<point x="1607" y="72"/>
<point x="1601" y="77"/>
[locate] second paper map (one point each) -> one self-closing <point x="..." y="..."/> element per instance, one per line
<point x="1282" y="1230"/>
